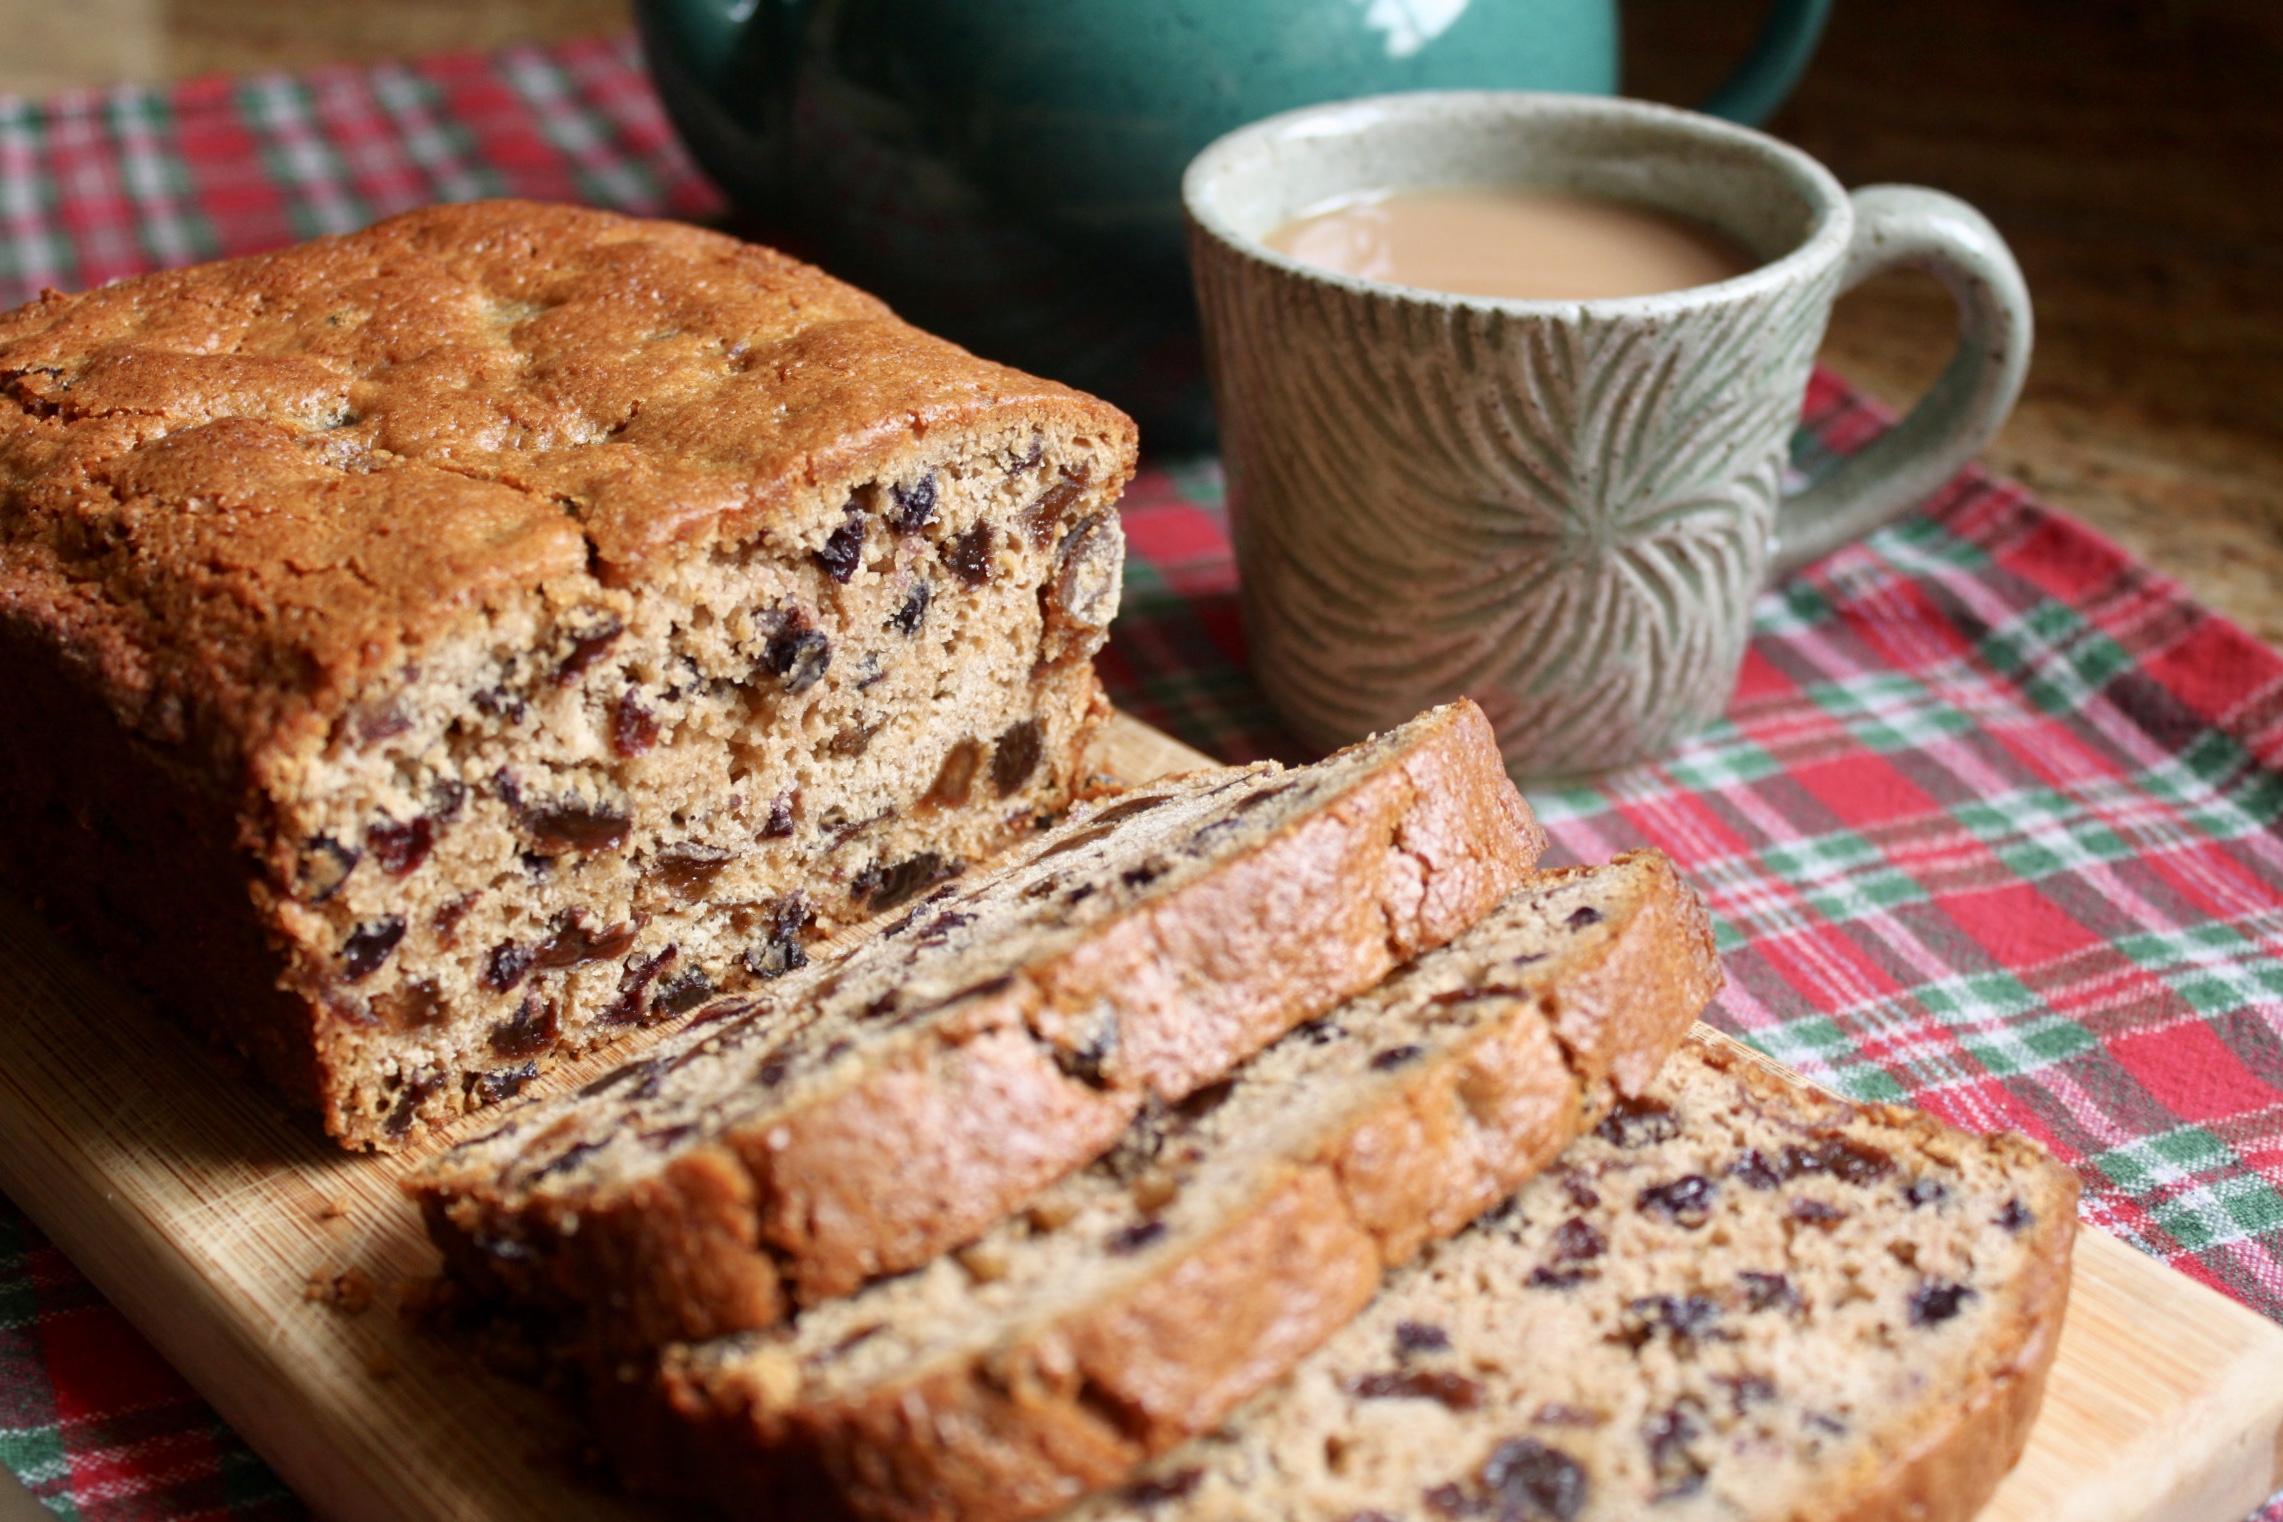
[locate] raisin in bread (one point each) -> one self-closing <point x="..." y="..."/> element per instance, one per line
<point x="1137" y="1301"/>
<point x="1739" y="1298"/>
<point x="863" y="1116"/>
<point x="449" y="646"/>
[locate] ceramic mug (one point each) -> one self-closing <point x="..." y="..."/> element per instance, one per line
<point x="1563" y="509"/>
<point x="1008" y="173"/>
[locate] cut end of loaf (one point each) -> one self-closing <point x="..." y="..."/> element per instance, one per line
<point x="606" y="806"/>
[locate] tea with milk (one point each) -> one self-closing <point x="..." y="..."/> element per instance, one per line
<point x="1513" y="242"/>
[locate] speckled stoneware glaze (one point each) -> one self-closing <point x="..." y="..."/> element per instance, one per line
<point x="1562" y="509"/>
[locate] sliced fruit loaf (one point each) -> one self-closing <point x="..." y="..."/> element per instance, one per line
<point x="1138" y="1301"/>
<point x="1739" y="1298"/>
<point x="867" y="1114"/>
<point x="440" y="650"/>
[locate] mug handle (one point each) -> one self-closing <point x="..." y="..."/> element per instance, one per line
<point x="1779" y="55"/>
<point x="1898" y="226"/>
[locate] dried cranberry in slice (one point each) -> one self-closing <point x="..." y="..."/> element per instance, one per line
<point x="571" y="942"/>
<point x="1687" y="1200"/>
<point x="369" y="946"/>
<point x="1843" y="1158"/>
<point x="578" y="826"/>
<point x="969" y="555"/>
<point x="1132" y="1239"/>
<point x="1039" y="519"/>
<point x="1638" y="1122"/>
<point x="501" y="1083"/>
<point x="1682" y="1316"/>
<point x="632" y="1006"/>
<point x="1576" y="1240"/>
<point x="410" y="1006"/>
<point x="409" y="1099"/>
<point x="1172" y="1487"/>
<point x="592" y="632"/>
<point x="1746" y="1390"/>
<point x="684" y="992"/>
<point x="914" y="505"/>
<point x="1420" y="1337"/>
<point x="533" y="1029"/>
<point x="501" y="703"/>
<point x="1016" y="756"/>
<point x="1767" y="1292"/>
<point x="907" y="618"/>
<point x="882" y="887"/>
<point x="1754" y="1170"/>
<point x="843" y="550"/>
<point x="1813" y="1212"/>
<point x="1937" y="1301"/>
<point x="689" y="869"/>
<point x="1453" y="1390"/>
<point x="633" y="727"/>
<point x="797" y="655"/>
<point x="1528" y="1479"/>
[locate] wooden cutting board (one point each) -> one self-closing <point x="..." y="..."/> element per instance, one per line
<point x="207" y="1213"/>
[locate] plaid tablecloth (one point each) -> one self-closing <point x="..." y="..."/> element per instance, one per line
<point x="1991" y="825"/>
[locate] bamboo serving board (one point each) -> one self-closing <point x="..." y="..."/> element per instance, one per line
<point x="207" y="1213"/>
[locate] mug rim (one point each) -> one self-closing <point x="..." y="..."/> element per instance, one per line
<point x="1825" y="242"/>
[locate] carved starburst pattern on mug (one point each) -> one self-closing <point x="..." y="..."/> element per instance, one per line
<point x="1565" y="519"/>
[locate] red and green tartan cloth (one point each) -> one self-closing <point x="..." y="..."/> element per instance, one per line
<point x="1991" y="825"/>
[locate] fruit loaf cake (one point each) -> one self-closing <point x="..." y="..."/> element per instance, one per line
<point x="437" y="649"/>
<point x="1738" y="1298"/>
<point x="865" y="1115"/>
<point x="1136" y="1302"/>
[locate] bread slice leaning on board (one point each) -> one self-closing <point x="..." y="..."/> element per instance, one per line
<point x="1739" y="1298"/>
<point x="1137" y="1301"/>
<point x="866" y="1114"/>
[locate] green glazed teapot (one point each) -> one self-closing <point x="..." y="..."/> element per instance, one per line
<point x="1007" y="172"/>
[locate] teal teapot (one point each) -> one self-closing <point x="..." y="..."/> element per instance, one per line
<point x="1007" y="172"/>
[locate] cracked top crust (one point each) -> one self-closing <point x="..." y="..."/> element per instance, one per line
<point x="230" y="495"/>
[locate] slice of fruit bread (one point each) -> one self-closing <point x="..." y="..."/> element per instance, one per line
<point x="1739" y="1297"/>
<point x="1138" y="1301"/>
<point x="870" y="1112"/>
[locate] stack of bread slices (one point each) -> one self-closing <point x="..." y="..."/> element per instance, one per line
<point x="1272" y="1143"/>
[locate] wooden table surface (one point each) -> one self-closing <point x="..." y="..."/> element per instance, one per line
<point x="2131" y="150"/>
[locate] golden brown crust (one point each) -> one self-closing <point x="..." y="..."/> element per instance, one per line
<point x="1402" y="864"/>
<point x="1023" y="1429"/>
<point x="376" y="455"/>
